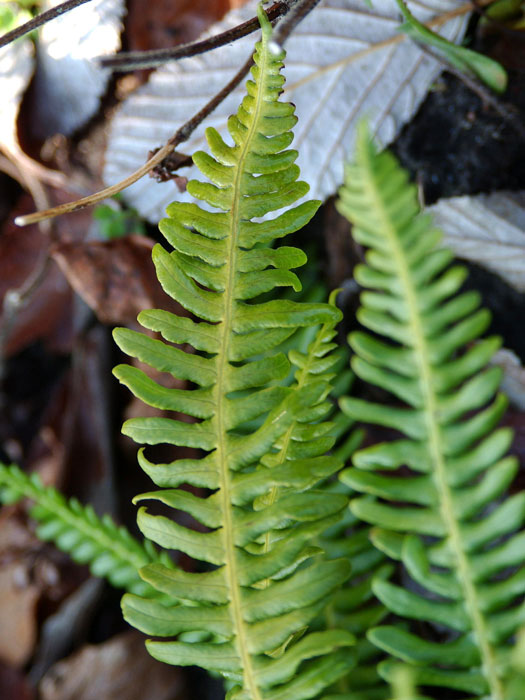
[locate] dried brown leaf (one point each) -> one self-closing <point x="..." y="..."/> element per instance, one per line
<point x="13" y="685"/>
<point x="47" y="313"/>
<point x="120" y="668"/>
<point x="19" y="592"/>
<point x="161" y="24"/>
<point x="115" y="278"/>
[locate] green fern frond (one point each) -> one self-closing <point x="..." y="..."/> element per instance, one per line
<point x="110" y="550"/>
<point x="258" y="592"/>
<point x="301" y="451"/>
<point x="516" y="675"/>
<point x="456" y="531"/>
<point x="353" y="607"/>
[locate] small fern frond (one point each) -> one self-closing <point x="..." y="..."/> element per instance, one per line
<point x="109" y="550"/>
<point x="263" y="582"/>
<point x="301" y="451"/>
<point x="353" y="607"/>
<point x="456" y="532"/>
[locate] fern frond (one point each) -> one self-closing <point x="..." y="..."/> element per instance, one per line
<point x="263" y="582"/>
<point x="456" y="532"/>
<point x="301" y="451"/>
<point x="353" y="607"/>
<point x="109" y="550"/>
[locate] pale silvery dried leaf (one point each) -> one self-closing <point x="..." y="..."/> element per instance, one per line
<point x="69" y="81"/>
<point x="346" y="60"/>
<point x="513" y="381"/>
<point x="16" y="69"/>
<point x="488" y="230"/>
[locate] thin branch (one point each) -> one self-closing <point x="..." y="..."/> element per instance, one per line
<point x="286" y="26"/>
<point x="40" y="172"/>
<point x="181" y="135"/>
<point x="133" y="60"/>
<point x="23" y="173"/>
<point x="39" y="20"/>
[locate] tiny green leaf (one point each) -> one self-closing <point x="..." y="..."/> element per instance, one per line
<point x="486" y="69"/>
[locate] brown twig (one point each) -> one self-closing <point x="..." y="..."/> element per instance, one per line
<point x="36" y="170"/>
<point x="133" y="60"/>
<point x="174" y="161"/>
<point x="180" y="135"/>
<point x="39" y="20"/>
<point x="156" y="163"/>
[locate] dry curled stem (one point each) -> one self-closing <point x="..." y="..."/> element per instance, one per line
<point x="181" y="135"/>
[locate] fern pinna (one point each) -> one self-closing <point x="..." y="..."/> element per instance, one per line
<point x="262" y="582"/>
<point x="437" y="497"/>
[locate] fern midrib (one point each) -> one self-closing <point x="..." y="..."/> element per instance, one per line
<point x="464" y="572"/>
<point x="241" y="632"/>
